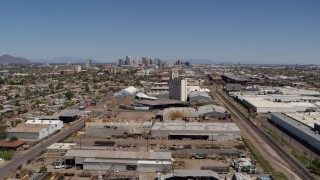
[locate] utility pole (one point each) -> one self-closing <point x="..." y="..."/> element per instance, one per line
<point x="310" y="162"/>
<point x="147" y="144"/>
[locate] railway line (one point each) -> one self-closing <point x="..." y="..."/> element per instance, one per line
<point x="247" y="124"/>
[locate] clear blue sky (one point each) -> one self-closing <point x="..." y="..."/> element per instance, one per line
<point x="254" y="31"/>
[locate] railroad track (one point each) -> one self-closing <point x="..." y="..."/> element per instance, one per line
<point x="291" y="163"/>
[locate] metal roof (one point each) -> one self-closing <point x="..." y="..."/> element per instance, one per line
<point x="297" y="124"/>
<point x="308" y="118"/>
<point x="33" y="128"/>
<point x="118" y="154"/>
<point x="141" y="95"/>
<point x="198" y="93"/>
<point x="191" y="173"/>
<point x="195" y="126"/>
<point x="131" y="89"/>
<point x="70" y="113"/>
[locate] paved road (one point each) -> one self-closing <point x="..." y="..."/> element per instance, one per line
<point x="8" y="167"/>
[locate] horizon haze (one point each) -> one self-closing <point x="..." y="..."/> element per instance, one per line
<point x="257" y="32"/>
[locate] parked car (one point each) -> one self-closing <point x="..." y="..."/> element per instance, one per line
<point x="58" y="165"/>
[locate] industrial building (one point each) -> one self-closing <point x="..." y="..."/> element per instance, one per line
<point x="31" y="131"/>
<point x="57" y="123"/>
<point x="162" y="103"/>
<point x="234" y="79"/>
<point x="178" y="89"/>
<point x="186" y="174"/>
<point x="196" y="130"/>
<point x="121" y="160"/>
<point x="261" y="105"/>
<point x="300" y="127"/>
<point x="142" y="96"/>
<point x="199" y="97"/>
<point x="61" y="147"/>
<point x="209" y="111"/>
<point x="129" y="91"/>
<point x="70" y="115"/>
<point x="231" y="87"/>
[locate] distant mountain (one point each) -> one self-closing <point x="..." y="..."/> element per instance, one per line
<point x="13" y="60"/>
<point x="64" y="59"/>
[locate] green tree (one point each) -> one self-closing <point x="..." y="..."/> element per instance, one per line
<point x="51" y="86"/>
<point x="69" y="95"/>
<point x="2" y="81"/>
<point x="25" y="111"/>
<point x="43" y="169"/>
<point x="17" y="103"/>
<point x="13" y="139"/>
<point x="86" y="88"/>
<point x="9" y="97"/>
<point x="59" y="86"/>
<point x="3" y="132"/>
<point x="59" y="96"/>
<point x="17" y="96"/>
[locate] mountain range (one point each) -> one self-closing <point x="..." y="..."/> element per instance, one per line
<point x="8" y="59"/>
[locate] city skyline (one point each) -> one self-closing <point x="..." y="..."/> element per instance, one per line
<point x="285" y="32"/>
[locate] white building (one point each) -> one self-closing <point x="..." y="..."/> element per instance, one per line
<point x="261" y="105"/>
<point x="129" y="91"/>
<point x="77" y="68"/>
<point x="57" y="123"/>
<point x="31" y="131"/>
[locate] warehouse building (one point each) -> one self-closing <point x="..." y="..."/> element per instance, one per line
<point x="129" y="91"/>
<point x="187" y="113"/>
<point x="234" y="79"/>
<point x="186" y="174"/>
<point x="232" y="87"/>
<point x="162" y="103"/>
<point x="57" y="123"/>
<point x="31" y="131"/>
<point x="261" y="105"/>
<point x="196" y="130"/>
<point x="121" y="160"/>
<point x="299" y="129"/>
<point x="200" y="97"/>
<point x="70" y="115"/>
<point x="142" y="96"/>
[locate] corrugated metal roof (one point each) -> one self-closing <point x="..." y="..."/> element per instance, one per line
<point x="28" y="128"/>
<point x="118" y="154"/>
<point x="131" y="89"/>
<point x="70" y="113"/>
<point x="191" y="173"/>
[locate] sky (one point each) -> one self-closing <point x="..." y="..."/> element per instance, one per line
<point x="234" y="31"/>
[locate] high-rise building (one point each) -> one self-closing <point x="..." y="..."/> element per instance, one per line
<point x="120" y="62"/>
<point x="128" y="60"/>
<point x="146" y="61"/>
